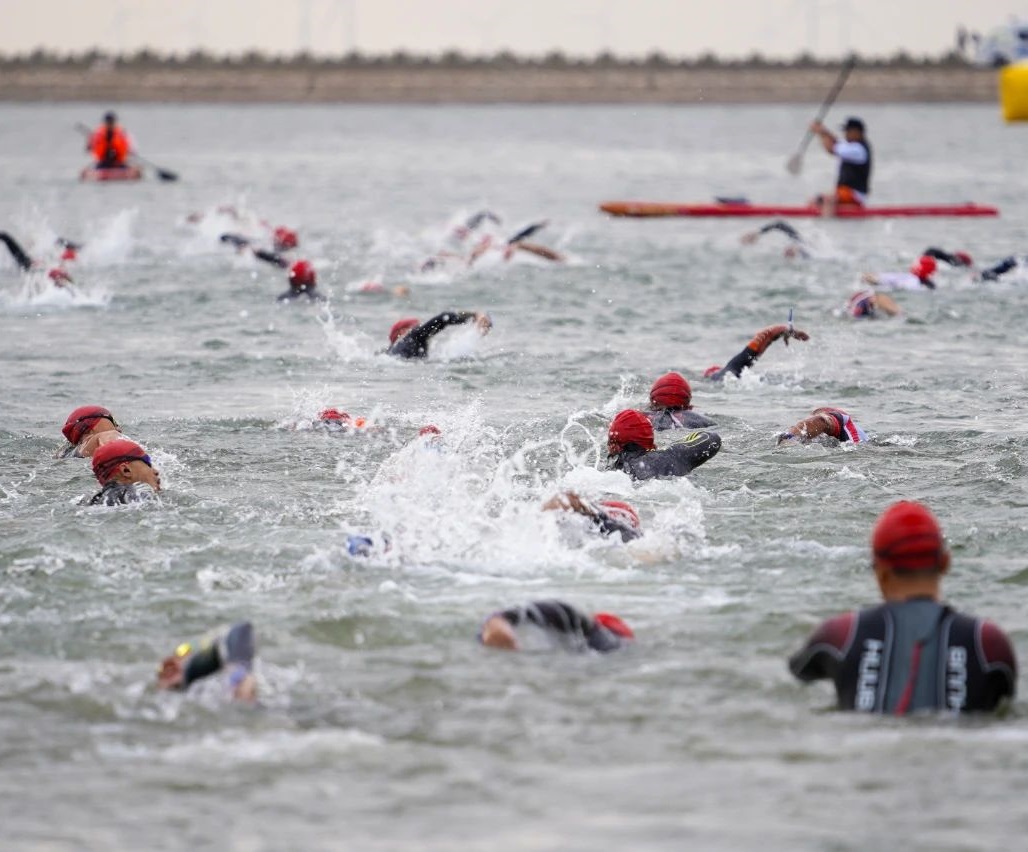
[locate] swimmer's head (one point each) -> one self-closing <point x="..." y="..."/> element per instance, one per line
<point x="302" y="275"/>
<point x="710" y="372"/>
<point x="964" y="258"/>
<point x="82" y="420"/>
<point x="671" y="391"/>
<point x="923" y="267"/>
<point x="622" y="511"/>
<point x="126" y="462"/>
<point x="430" y="429"/>
<point x="284" y="238"/>
<point x="907" y="538"/>
<point x="614" y="624"/>
<point x="401" y="327"/>
<point x="629" y="428"/>
<point x="334" y="415"/>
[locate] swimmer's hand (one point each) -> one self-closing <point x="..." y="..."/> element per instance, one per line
<point x="483" y="321"/>
<point x="785" y="436"/>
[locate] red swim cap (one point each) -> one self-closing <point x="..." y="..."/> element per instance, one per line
<point x="302" y="275"/>
<point x="710" y="371"/>
<point x="629" y="427"/>
<point x="622" y="511"/>
<point x="334" y="414"/>
<point x="81" y="420"/>
<point x="671" y="391"/>
<point x="69" y="253"/>
<point x="908" y="538"/>
<point x="284" y="238"/>
<point x="430" y="429"/>
<point x="964" y="258"/>
<point x="59" y="276"/>
<point x="614" y="624"/>
<point x="107" y="458"/>
<point x="924" y="267"/>
<point x="401" y="327"/>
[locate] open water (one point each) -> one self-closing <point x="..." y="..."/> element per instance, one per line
<point x="382" y="724"/>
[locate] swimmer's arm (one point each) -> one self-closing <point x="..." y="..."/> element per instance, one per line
<point x="887" y="305"/>
<point x="274" y="258"/>
<point x="812" y="427"/>
<point x="944" y="256"/>
<point x="826" y="136"/>
<point x="689" y="453"/>
<point x="17" y="252"/>
<point x="824" y="650"/>
<point x="1001" y="268"/>
<point x="758" y="346"/>
<point x="498" y="632"/>
<point x="784" y="228"/>
<point x="540" y="251"/>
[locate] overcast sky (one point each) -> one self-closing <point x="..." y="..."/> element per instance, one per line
<point x="576" y="27"/>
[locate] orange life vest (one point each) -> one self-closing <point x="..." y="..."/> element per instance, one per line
<point x="109" y="147"/>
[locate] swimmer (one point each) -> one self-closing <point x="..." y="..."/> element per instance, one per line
<point x="997" y="270"/>
<point x="956" y="259"/>
<point x="671" y="405"/>
<point x="912" y="652"/>
<point x="609" y="516"/>
<point x="829" y="422"/>
<point x="754" y="349"/>
<point x="796" y="247"/>
<point x="473" y="223"/>
<point x="400" y="291"/>
<point x="631" y="449"/>
<point x="334" y="420"/>
<point x="559" y="623"/>
<point x="518" y="242"/>
<point x="409" y="338"/>
<point x="303" y="282"/>
<point x="57" y="274"/>
<point x="122" y="467"/>
<point x="239" y="242"/>
<point x="869" y="304"/>
<point x="369" y="545"/>
<point x="919" y="277"/>
<point x="88" y="427"/>
<point x="230" y="652"/>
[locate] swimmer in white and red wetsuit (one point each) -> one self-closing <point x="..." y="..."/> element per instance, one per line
<point x="610" y="517"/>
<point x="913" y="652"/>
<point x="919" y="277"/>
<point x="555" y="623"/>
<point x="830" y="422"/>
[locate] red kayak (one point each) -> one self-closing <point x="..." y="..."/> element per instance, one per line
<point x="719" y="210"/>
<point x="96" y="173"/>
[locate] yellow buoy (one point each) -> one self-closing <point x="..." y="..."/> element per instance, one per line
<point x="1013" y="91"/>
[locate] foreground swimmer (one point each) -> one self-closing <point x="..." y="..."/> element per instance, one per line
<point x="122" y="467"/>
<point x="854" y="153"/>
<point x="754" y="349"/>
<point x="869" y="304"/>
<point x="912" y="652"/>
<point x="609" y="516"/>
<point x="58" y="274"/>
<point x="831" y="422"/>
<point x="631" y="449"/>
<point x="796" y="247"/>
<point x="231" y="652"/>
<point x="88" y="427"/>
<point x="559" y="623"/>
<point x="409" y="338"/>
<point x="303" y="282"/>
<point x="919" y="277"/>
<point x="671" y="405"/>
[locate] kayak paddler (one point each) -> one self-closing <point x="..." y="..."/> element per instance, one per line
<point x="854" y="153"/>
<point x="110" y="145"/>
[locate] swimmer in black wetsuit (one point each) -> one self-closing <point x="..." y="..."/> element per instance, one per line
<point x="960" y="259"/>
<point x="997" y="270"/>
<point x="831" y="422"/>
<point x="754" y="349"/>
<point x="631" y="449"/>
<point x="559" y="622"/>
<point x="231" y="651"/>
<point x="303" y="282"/>
<point x="409" y="338"/>
<point x="610" y="516"/>
<point x="796" y="246"/>
<point x="123" y="468"/>
<point x="912" y="652"/>
<point x="240" y="242"/>
<point x="58" y="274"/>
<point x="671" y="401"/>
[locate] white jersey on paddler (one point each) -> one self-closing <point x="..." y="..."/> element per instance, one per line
<point x="898" y="281"/>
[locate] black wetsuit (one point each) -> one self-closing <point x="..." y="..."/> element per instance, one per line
<point x="784" y="228"/>
<point x="677" y="418"/>
<point x="414" y="344"/>
<point x="909" y="656"/>
<point x="747" y="358"/>
<point x="574" y="628"/>
<point x="234" y="648"/>
<point x="609" y="526"/>
<point x="17" y="252"/>
<point x="1002" y="268"/>
<point x="241" y="242"/>
<point x="116" y="494"/>
<point x="677" y="460"/>
<point x="946" y="257"/>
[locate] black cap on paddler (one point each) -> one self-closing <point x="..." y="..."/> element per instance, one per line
<point x="853" y="124"/>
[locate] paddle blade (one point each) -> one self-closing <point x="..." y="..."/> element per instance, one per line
<point x="795" y="164"/>
<point x="167" y="176"/>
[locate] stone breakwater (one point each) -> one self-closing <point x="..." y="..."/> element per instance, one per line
<point x="492" y="85"/>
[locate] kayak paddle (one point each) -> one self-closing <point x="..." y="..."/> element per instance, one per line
<point x="795" y="163"/>
<point x="164" y="174"/>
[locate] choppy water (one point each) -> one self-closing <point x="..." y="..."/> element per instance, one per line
<point x="382" y="724"/>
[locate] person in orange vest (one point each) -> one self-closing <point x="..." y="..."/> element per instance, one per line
<point x="109" y="144"/>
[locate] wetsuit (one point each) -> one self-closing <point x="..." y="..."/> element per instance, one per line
<point x="843" y="428"/>
<point x="116" y="494"/>
<point x="414" y="344"/>
<point x="795" y="240"/>
<point x="240" y="242"/>
<point x="946" y="257"/>
<point x="17" y="252"/>
<point x="1002" y="268"/>
<point x="608" y="526"/>
<point x="862" y="304"/>
<point x="677" y="460"/>
<point x="677" y="418"/>
<point x="908" y="656"/>
<point x="562" y="621"/>
<point x="233" y="650"/>
<point x="748" y="357"/>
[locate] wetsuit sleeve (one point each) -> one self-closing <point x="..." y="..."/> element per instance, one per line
<point x="825" y="650"/>
<point x="272" y="257"/>
<point x="415" y="342"/>
<point x="754" y="349"/>
<point x="609" y="526"/>
<point x="998" y="662"/>
<point x="1001" y="268"/>
<point x="784" y="228"/>
<point x="17" y="252"/>
<point x="237" y="240"/>
<point x="239" y="644"/>
<point x="201" y="664"/>
<point x="944" y="256"/>
<point x="692" y="451"/>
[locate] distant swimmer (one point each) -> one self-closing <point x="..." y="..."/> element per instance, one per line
<point x="241" y="243"/>
<point x="870" y="304"/>
<point x="912" y="653"/>
<point x="554" y="623"/>
<point x="303" y="283"/>
<point x="230" y="652"/>
<point x="919" y="277"/>
<point x="630" y="448"/>
<point x="409" y="338"/>
<point x="754" y="349"/>
<point x="125" y="471"/>
<point x="334" y="420"/>
<point x="516" y="243"/>
<point x="796" y="247"/>
<point x="1008" y="264"/>
<point x="57" y="274"/>
<point x="369" y="545"/>
<point x="400" y="291"/>
<point x="610" y="517"/>
<point x="828" y="422"/>
<point x="110" y="145"/>
<point x="89" y="427"/>
<point x="671" y="405"/>
<point x="854" y="154"/>
<point x="473" y="223"/>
